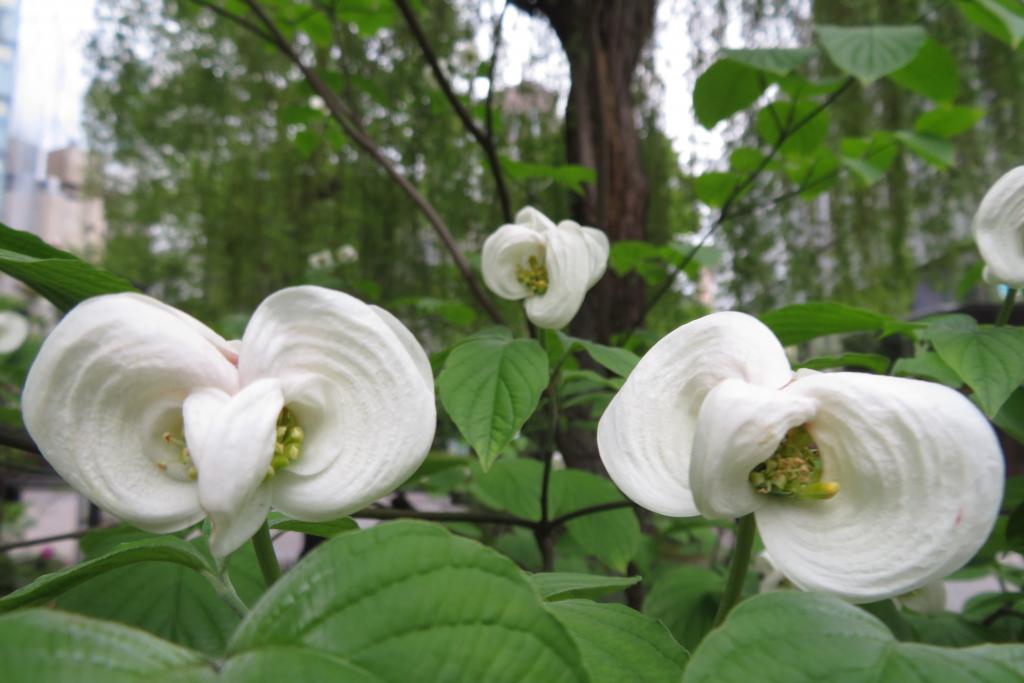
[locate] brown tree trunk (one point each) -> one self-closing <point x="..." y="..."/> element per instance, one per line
<point x="603" y="40"/>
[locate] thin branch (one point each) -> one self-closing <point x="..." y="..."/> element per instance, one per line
<point x="19" y="439"/>
<point x="341" y="113"/>
<point x="593" y="509"/>
<point x="475" y="518"/>
<point x="231" y="16"/>
<point x="491" y="68"/>
<point x="47" y="539"/>
<point x="482" y="137"/>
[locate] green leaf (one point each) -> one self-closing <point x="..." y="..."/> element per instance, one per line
<point x="745" y="159"/>
<point x="620" y="361"/>
<point x="988" y="359"/>
<point x="780" y="117"/>
<point x="46" y="646"/>
<point x="870" y="361"/>
<point x="936" y="151"/>
<point x="724" y="89"/>
<point x="612" y="536"/>
<point x="300" y="115"/>
<point x="1004" y="20"/>
<point x="933" y="73"/>
<point x="927" y="365"/>
<point x="1015" y="530"/>
<point x="867" y="173"/>
<point x="619" y="644"/>
<point x="570" y="176"/>
<point x="326" y="529"/>
<point x="948" y="122"/>
<point x="490" y="386"/>
<point x="870" y="52"/>
<point x="824" y="638"/>
<point x="714" y="187"/>
<point x="554" y="586"/>
<point x="802" y="322"/>
<point x="416" y="604"/>
<point x="778" y="61"/>
<point x="307" y="142"/>
<point x="685" y="599"/>
<point x="511" y="485"/>
<point x="48" y="586"/>
<point x="368" y="16"/>
<point x="275" y="664"/>
<point x="56" y="275"/>
<point x="1010" y="417"/>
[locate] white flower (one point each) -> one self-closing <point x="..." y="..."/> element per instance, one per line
<point x="13" y="331"/>
<point x="551" y="266"/>
<point x="999" y="230"/>
<point x="346" y="254"/>
<point x="325" y="405"/>
<point x="321" y="260"/>
<point x="864" y="486"/>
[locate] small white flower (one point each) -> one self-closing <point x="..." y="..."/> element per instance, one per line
<point x="550" y="266"/>
<point x="864" y="486"/>
<point x="321" y="260"/>
<point x="999" y="230"/>
<point x="13" y="331"/>
<point x="325" y="405"/>
<point x="346" y="254"/>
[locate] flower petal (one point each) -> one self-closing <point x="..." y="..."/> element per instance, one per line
<point x="369" y="414"/>
<point x="232" y="454"/>
<point x="107" y="384"/>
<point x="505" y="250"/>
<point x="646" y="434"/>
<point x="920" y="476"/>
<point x="999" y="230"/>
<point x="739" y="426"/>
<point x="13" y="331"/>
<point x="534" y="219"/>
<point x="412" y="346"/>
<point x="597" y="247"/>
<point x="229" y="349"/>
<point x="567" y="260"/>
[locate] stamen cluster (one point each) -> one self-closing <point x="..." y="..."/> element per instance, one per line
<point x="533" y="276"/>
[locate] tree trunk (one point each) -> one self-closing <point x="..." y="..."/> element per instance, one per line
<point x="603" y="40"/>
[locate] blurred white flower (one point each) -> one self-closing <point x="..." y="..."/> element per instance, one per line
<point x="864" y="486"/>
<point x="325" y="405"/>
<point x="13" y="331"/>
<point x="321" y="260"/>
<point x="999" y="230"/>
<point x="346" y="254"/>
<point x="550" y="266"/>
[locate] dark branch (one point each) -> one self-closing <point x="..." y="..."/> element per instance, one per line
<point x="14" y="437"/>
<point x="593" y="509"/>
<point x="231" y="16"/>
<point x="483" y="138"/>
<point x="475" y="518"/>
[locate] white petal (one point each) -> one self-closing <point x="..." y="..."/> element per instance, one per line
<point x="928" y="599"/>
<point x="597" y="247"/>
<point x="107" y="384"/>
<point x="229" y="349"/>
<point x="567" y="260"/>
<point x="412" y="346"/>
<point x="646" y="434"/>
<point x="200" y="412"/>
<point x="920" y="478"/>
<point x="232" y="455"/>
<point x="13" y="331"/>
<point x="534" y="219"/>
<point x="369" y="417"/>
<point x="739" y="426"/>
<point x="999" y="230"/>
<point x="506" y="249"/>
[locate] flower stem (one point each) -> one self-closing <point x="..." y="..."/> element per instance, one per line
<point x="226" y="590"/>
<point x="265" y="555"/>
<point x="1007" y="308"/>
<point x="746" y="529"/>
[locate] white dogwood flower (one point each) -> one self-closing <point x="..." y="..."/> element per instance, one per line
<point x="864" y="486"/>
<point x="999" y="230"/>
<point x="325" y="405"/>
<point x="550" y="266"/>
<point x="13" y="331"/>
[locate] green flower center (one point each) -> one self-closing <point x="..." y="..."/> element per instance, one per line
<point x="794" y="469"/>
<point x="533" y="275"/>
<point x="288" y="444"/>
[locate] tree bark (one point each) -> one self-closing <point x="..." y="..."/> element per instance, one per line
<point x="603" y="40"/>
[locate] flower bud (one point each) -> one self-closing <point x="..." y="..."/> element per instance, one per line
<point x="999" y="230"/>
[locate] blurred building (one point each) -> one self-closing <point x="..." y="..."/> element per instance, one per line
<point x="8" y="52"/>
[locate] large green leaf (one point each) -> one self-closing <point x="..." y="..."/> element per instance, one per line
<point x="570" y="176"/>
<point x="512" y="485"/>
<point x="275" y="664"/>
<point x="61" y="277"/>
<point x="1002" y="19"/>
<point x="780" y="118"/>
<point x="163" y="549"/>
<point x="779" y="61"/>
<point x="46" y="646"/>
<point x="685" y="599"/>
<point x="1010" y="417"/>
<point x="802" y="322"/>
<point x="612" y="536"/>
<point x="938" y="152"/>
<point x="619" y="644"/>
<point x="408" y="601"/>
<point x="871" y="361"/>
<point x="554" y="586"/>
<point x="870" y="52"/>
<point x="794" y="637"/>
<point x="326" y="529"/>
<point x="948" y="122"/>
<point x="988" y="359"/>
<point x="927" y="365"/>
<point x="490" y="385"/>
<point x="932" y="73"/>
<point x="724" y="89"/>
<point x="620" y="361"/>
<point x="715" y="187"/>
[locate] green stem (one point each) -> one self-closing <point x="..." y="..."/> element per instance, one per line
<point x="265" y="555"/>
<point x="745" y="532"/>
<point x="226" y="590"/>
<point x="1007" y="308"/>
